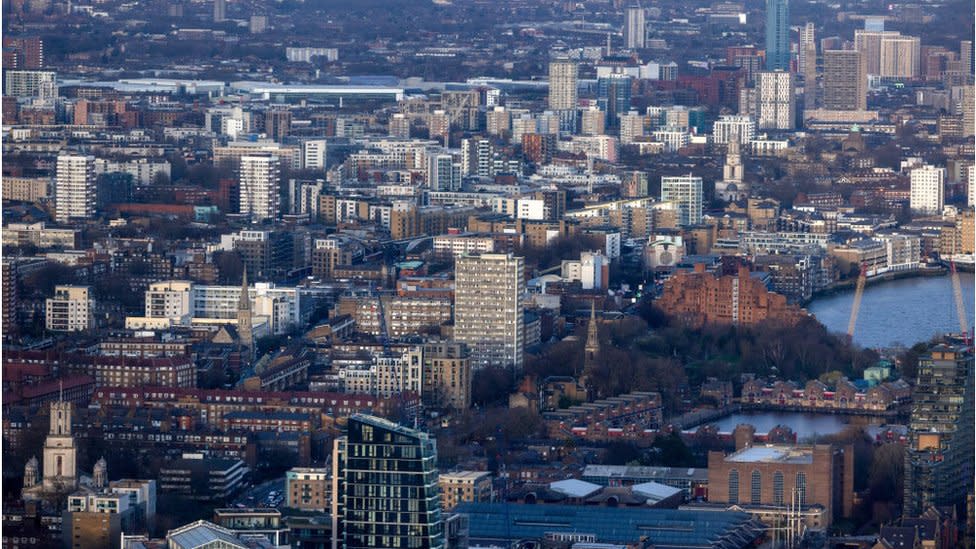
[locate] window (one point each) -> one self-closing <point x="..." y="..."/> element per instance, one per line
<point x="778" y="488"/>
<point x="801" y="489"/>
<point x="755" y="496"/>
<point x="733" y="486"/>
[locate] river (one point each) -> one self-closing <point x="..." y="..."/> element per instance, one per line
<point x="804" y="425"/>
<point x="899" y="312"/>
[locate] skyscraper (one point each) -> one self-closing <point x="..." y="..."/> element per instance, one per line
<point x="686" y="192"/>
<point x="939" y="460"/>
<point x="259" y="187"/>
<point x="807" y="64"/>
<point x="868" y="42"/>
<point x="777" y="35"/>
<point x="634" y="30"/>
<point x="562" y="84"/>
<point x="928" y="189"/>
<point x="385" y="487"/>
<point x="488" y="313"/>
<point x="775" y="101"/>
<point x="74" y="187"/>
<point x="845" y="80"/>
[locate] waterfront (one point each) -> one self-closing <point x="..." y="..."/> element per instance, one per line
<point x="804" y="425"/>
<point x="899" y="312"/>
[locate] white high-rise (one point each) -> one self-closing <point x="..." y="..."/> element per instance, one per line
<point x="775" y="101"/>
<point x="734" y="127"/>
<point x="634" y="29"/>
<point x="259" y="187"/>
<point x="685" y="191"/>
<point x="563" y="74"/>
<point x="443" y="172"/>
<point x="74" y="187"/>
<point x="314" y="154"/>
<point x="928" y="189"/>
<point x="488" y="314"/>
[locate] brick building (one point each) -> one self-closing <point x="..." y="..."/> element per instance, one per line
<point x="765" y="479"/>
<point x="702" y="298"/>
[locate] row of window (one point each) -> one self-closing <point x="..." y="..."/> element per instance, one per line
<point x="755" y="488"/>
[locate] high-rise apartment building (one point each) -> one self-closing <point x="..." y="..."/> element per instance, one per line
<point x="314" y="153"/>
<point x="868" y="42"/>
<point x="439" y="125"/>
<point x="613" y="95"/>
<point x="563" y="74"/>
<point x="30" y="83"/>
<point x="928" y="189"/>
<point x="385" y="487"/>
<point x="939" y="460"/>
<point x="634" y="29"/>
<point x="443" y="172"/>
<point x="686" y="192"/>
<point x="488" y="314"/>
<point x="399" y="126"/>
<point x="775" y="101"/>
<point x="845" y="80"/>
<point x="28" y="52"/>
<point x="900" y="57"/>
<point x="477" y="155"/>
<point x="631" y="127"/>
<point x="74" y="187"/>
<point x="807" y="59"/>
<point x="259" y="187"/>
<point x="807" y="65"/>
<point x="70" y="310"/>
<point x="777" y="35"/>
<point x="730" y="128"/>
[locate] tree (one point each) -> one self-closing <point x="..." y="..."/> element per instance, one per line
<point x="491" y="385"/>
<point x="230" y="267"/>
<point x="887" y="473"/>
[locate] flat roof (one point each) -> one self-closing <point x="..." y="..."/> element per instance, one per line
<point x="465" y="475"/>
<point x="772" y="453"/>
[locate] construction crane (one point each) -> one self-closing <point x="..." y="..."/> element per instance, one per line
<point x="858" y="294"/>
<point x="960" y="303"/>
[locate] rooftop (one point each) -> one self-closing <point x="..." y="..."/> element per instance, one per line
<point x="772" y="453"/>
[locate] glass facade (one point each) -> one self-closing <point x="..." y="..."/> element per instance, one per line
<point x="390" y="495"/>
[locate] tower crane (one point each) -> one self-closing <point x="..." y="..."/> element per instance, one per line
<point x="858" y="294"/>
<point x="960" y="303"/>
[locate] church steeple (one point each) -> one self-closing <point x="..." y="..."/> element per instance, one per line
<point x="245" y="330"/>
<point x="592" y="337"/>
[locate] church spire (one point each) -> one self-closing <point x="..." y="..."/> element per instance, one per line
<point x="245" y="330"/>
<point x="592" y="341"/>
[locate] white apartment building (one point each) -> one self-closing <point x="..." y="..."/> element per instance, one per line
<point x="27" y="83"/>
<point x="488" y="309"/>
<point x="460" y="244"/>
<point x="928" y="189"/>
<point x="74" y="187"/>
<point x="686" y="192"/>
<point x="314" y="154"/>
<point x="259" y="187"/>
<point x="775" y="101"/>
<point x="143" y="170"/>
<point x="70" y="310"/>
<point x="733" y="128"/>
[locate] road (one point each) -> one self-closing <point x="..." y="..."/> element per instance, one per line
<point x="257" y="496"/>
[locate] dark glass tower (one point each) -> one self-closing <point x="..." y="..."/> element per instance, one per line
<point x="777" y="35"/>
<point x="387" y="493"/>
<point x="939" y="460"/>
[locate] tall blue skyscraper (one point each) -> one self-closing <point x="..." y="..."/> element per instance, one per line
<point x="777" y="35"/>
<point x="613" y="96"/>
